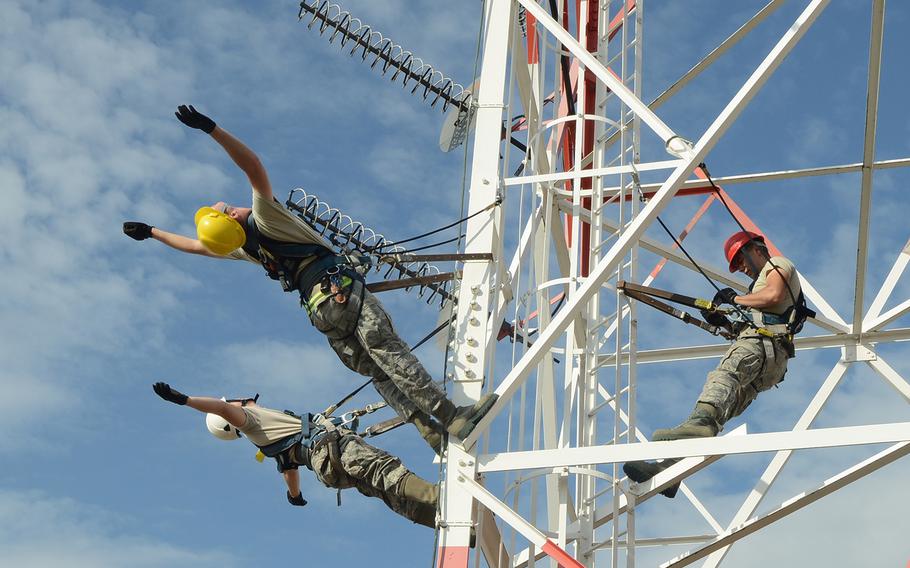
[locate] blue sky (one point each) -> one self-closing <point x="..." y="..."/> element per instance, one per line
<point x="97" y="471"/>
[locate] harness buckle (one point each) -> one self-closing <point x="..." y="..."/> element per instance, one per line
<point x="333" y="285"/>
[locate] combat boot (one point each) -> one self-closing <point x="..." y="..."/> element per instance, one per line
<point x="421" y="497"/>
<point x="460" y="421"/>
<point x="702" y="423"/>
<point x="430" y="431"/>
<point x="641" y="471"/>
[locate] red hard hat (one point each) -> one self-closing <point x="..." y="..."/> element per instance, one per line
<point x="736" y="242"/>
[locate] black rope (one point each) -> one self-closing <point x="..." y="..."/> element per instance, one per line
<point x="745" y="317"/>
<point x="349" y="396"/>
<point x="439" y="230"/>
<point x="439" y="244"/>
<point x="432" y="334"/>
<point x="518" y="144"/>
<point x="353" y="393"/>
<point x="564" y="67"/>
<point x="558" y="305"/>
<point x="692" y="260"/>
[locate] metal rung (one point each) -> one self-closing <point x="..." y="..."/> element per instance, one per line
<point x="603" y="321"/>
<point x="600" y="493"/>
<point x="597" y="408"/>
<point x="612" y="441"/>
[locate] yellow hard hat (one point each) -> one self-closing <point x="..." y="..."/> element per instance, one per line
<point x="218" y="232"/>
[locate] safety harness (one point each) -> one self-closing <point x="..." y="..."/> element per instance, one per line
<point x="318" y="431"/>
<point x="788" y="323"/>
<point x="782" y="327"/>
<point x="282" y="260"/>
<point x="314" y="429"/>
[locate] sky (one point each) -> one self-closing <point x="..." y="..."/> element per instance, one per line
<point x="97" y="471"/>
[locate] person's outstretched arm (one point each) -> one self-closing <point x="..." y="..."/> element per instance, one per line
<point x="233" y="414"/>
<point x="246" y="159"/>
<point x="140" y="231"/>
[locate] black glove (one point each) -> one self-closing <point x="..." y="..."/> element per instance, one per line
<point x="299" y="501"/>
<point x="137" y="230"/>
<point x="165" y="391"/>
<point x="725" y="296"/>
<point x="194" y="119"/>
<point x="715" y="318"/>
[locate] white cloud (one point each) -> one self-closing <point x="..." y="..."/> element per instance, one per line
<point x="81" y="145"/>
<point x="814" y="138"/>
<point x="302" y="377"/>
<point x="40" y="530"/>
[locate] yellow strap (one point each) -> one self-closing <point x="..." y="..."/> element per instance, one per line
<point x="321" y="296"/>
<point x="768" y="333"/>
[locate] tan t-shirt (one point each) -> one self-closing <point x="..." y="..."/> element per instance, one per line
<point x="266" y="426"/>
<point x="275" y="221"/>
<point x="787" y="268"/>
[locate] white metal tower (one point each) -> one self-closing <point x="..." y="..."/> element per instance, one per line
<point x="600" y="166"/>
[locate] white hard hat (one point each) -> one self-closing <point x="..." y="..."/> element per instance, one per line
<point x="221" y="428"/>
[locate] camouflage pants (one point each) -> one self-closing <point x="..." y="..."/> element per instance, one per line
<point x="751" y="365"/>
<point x="372" y="472"/>
<point x="361" y="333"/>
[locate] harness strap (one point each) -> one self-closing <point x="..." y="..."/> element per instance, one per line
<point x="313" y="273"/>
<point x="383" y="427"/>
<point x="768" y="318"/>
<point x="318" y="431"/>
<point x="282" y="451"/>
<point x="313" y="302"/>
<point x="787" y="324"/>
<point x="793" y="318"/>
<point x="277" y="448"/>
<point x="330" y="440"/>
<point x="768" y="345"/>
<point x="281" y="259"/>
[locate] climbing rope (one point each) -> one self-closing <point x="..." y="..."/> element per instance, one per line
<point x="742" y="314"/>
<point x="443" y="228"/>
<point x="798" y="303"/>
<point x="745" y="318"/>
<point x="720" y="196"/>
